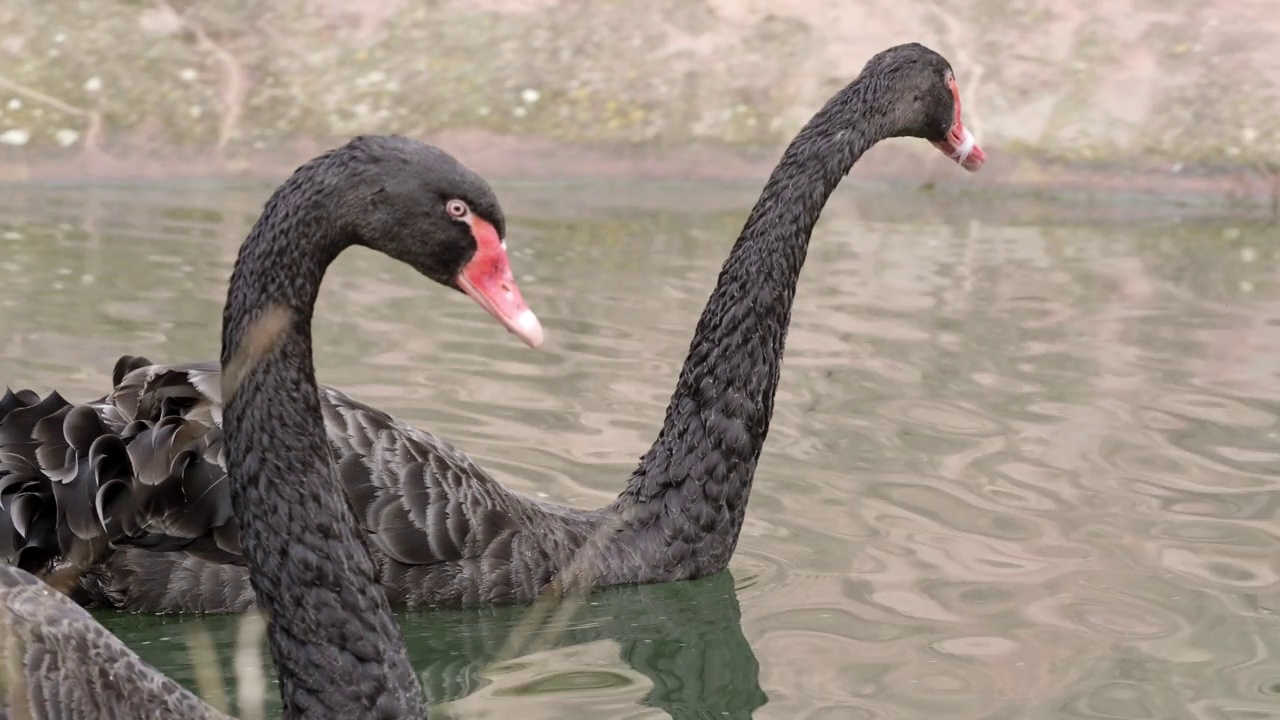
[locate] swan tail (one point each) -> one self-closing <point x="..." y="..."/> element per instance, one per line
<point x="141" y="466"/>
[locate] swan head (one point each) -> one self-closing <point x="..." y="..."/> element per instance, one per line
<point x="423" y="207"/>
<point x="926" y="101"/>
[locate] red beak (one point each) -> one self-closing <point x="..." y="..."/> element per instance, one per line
<point x="487" y="279"/>
<point x="960" y="145"/>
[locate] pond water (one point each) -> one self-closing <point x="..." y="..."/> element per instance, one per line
<point x="1024" y="463"/>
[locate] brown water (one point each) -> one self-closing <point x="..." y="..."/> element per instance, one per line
<point x="1025" y="462"/>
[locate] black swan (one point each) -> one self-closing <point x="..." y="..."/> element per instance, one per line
<point x="335" y="645"/>
<point x="442" y="530"/>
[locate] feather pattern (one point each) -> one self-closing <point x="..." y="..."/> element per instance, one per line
<point x="68" y="666"/>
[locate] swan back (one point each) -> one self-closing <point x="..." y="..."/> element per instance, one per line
<point x="60" y="664"/>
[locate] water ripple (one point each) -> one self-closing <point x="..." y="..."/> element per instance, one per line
<point x="1018" y="468"/>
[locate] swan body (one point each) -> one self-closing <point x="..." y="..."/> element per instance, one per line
<point x="161" y="537"/>
<point x="336" y="648"/>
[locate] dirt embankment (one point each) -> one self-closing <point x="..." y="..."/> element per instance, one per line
<point x="1175" y="93"/>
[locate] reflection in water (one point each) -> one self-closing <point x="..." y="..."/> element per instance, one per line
<point x="677" y="648"/>
<point x="684" y="641"/>
<point x="1023" y="461"/>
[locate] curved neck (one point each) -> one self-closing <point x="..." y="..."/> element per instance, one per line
<point x="336" y="647"/>
<point x="705" y="455"/>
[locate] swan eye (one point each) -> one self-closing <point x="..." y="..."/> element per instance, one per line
<point x="457" y="209"/>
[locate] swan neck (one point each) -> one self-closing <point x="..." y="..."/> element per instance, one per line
<point x="335" y="645"/>
<point x="698" y="472"/>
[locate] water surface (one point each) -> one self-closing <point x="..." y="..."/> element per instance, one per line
<point x="1024" y="463"/>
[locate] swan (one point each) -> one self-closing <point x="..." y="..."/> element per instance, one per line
<point x="336" y="647"/>
<point x="442" y="530"/>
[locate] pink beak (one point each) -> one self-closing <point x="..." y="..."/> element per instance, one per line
<point x="488" y="280"/>
<point x="960" y="145"/>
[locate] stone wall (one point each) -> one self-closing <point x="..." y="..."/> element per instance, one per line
<point x="218" y="87"/>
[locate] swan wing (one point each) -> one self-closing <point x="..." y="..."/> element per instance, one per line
<point x="63" y="664"/>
